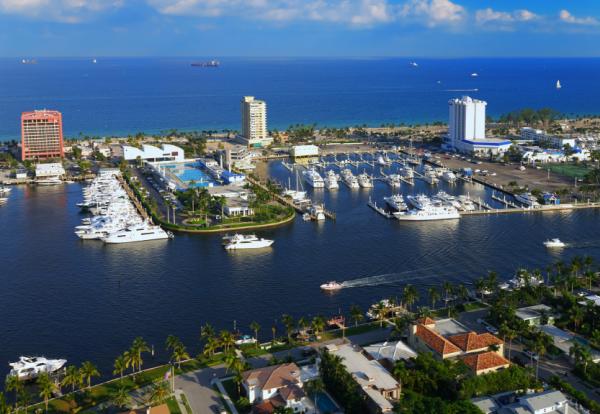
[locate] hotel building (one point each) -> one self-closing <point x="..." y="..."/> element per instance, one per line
<point x="254" y="123"/>
<point x="41" y="135"/>
<point x="466" y="129"/>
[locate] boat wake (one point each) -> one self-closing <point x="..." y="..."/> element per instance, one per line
<point x="462" y="90"/>
<point x="388" y="278"/>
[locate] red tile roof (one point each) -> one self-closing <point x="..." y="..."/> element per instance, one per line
<point x="471" y="341"/>
<point x="292" y="392"/>
<point x="426" y="321"/>
<point x="275" y="376"/>
<point x="435" y="341"/>
<point x="484" y="361"/>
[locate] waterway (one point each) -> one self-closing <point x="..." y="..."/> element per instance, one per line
<point x="62" y="297"/>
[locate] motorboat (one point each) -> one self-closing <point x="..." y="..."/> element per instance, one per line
<point x="250" y="241"/>
<point x="558" y="85"/>
<point x="28" y="368"/>
<point x="349" y="178"/>
<point x="554" y="244"/>
<point x="419" y="201"/>
<point x="317" y="212"/>
<point x="383" y="160"/>
<point x="331" y="180"/>
<point x="528" y="199"/>
<point x="245" y="339"/>
<point x="48" y="181"/>
<point x="396" y="202"/>
<point x="431" y="177"/>
<point x="394" y="180"/>
<point x="474" y="74"/>
<point x="139" y="233"/>
<point x="364" y="180"/>
<point x="313" y="178"/>
<point x="4" y="189"/>
<point x="431" y="212"/>
<point x="333" y="285"/>
<point x="449" y="176"/>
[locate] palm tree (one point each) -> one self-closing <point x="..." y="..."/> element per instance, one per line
<point x="138" y="347"/>
<point x="434" y="296"/>
<point x="581" y="355"/>
<point x="314" y="388"/>
<point x="172" y="342"/>
<point x="318" y="324"/>
<point x="255" y="327"/>
<point x="288" y="322"/>
<point x="120" y="397"/>
<point x="463" y="292"/>
<point x="5" y="408"/>
<point x="302" y="324"/>
<point x="88" y="370"/>
<point x="480" y="287"/>
<point x="13" y="383"/>
<point x="410" y="295"/>
<point x="576" y="315"/>
<point x="72" y="377"/>
<point x="120" y="366"/>
<point x="356" y="314"/>
<point x="540" y="346"/>
<point x="492" y="281"/>
<point x="227" y="340"/>
<point x="509" y="335"/>
<point x="381" y="312"/>
<point x="207" y="331"/>
<point x="179" y="354"/>
<point x="47" y="387"/>
<point x="447" y="288"/>
<point x="211" y="345"/>
<point x="160" y="392"/>
<point x="273" y="331"/>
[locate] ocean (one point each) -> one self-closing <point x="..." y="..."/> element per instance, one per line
<point x="120" y="96"/>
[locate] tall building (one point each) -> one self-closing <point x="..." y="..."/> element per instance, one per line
<point x="254" y="122"/>
<point x="41" y="135"/>
<point x="466" y="129"/>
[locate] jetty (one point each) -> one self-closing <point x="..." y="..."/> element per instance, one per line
<point x="379" y="210"/>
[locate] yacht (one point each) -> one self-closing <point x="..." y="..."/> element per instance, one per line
<point x="4" y="189"/>
<point x="431" y="177"/>
<point x="558" y="85"/>
<point x="383" y="160"/>
<point x="317" y="212"/>
<point x="365" y="181"/>
<point x="331" y="180"/>
<point x="3" y="200"/>
<point x="349" y="178"/>
<point x="396" y="202"/>
<point x="474" y="74"/>
<point x="406" y="172"/>
<point x="420" y="201"/>
<point x="528" y="199"/>
<point x="250" y="241"/>
<point x="295" y="195"/>
<point x="28" y="368"/>
<point x="448" y="200"/>
<point x="466" y="203"/>
<point x="414" y="64"/>
<point x="554" y="243"/>
<point x="48" y="181"/>
<point x="333" y="285"/>
<point x="143" y="232"/>
<point x="394" y="180"/>
<point x="245" y="339"/>
<point x="431" y="212"/>
<point x="449" y="176"/>
<point x="313" y="178"/>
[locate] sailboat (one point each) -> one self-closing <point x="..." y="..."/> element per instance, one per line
<point x="558" y="85"/>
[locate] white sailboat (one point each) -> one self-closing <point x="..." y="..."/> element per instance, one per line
<point x="558" y="85"/>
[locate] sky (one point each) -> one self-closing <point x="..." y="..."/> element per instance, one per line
<point x="282" y="28"/>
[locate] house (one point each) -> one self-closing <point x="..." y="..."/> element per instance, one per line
<point x="546" y="402"/>
<point x="535" y="315"/>
<point x="391" y="351"/>
<point x="447" y="338"/>
<point x="275" y="386"/>
<point x="381" y="389"/>
<point x="564" y="340"/>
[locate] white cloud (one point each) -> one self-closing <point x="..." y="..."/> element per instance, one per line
<point x="490" y="15"/>
<point x="434" y="12"/>
<point x="567" y="17"/>
<point x="67" y="11"/>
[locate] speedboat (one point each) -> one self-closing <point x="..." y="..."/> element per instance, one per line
<point x="250" y="241"/>
<point x="554" y="243"/>
<point x="333" y="285"/>
<point x="28" y="368"/>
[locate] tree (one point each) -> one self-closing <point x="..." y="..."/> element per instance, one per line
<point x="227" y="340"/>
<point x="410" y="295"/>
<point x="581" y="355"/>
<point x="120" y="397"/>
<point x="13" y="383"/>
<point x="120" y="366"/>
<point x="288" y="322"/>
<point x="88" y="370"/>
<point x="72" y="377"/>
<point x="138" y="347"/>
<point x="210" y="346"/>
<point x="179" y="354"/>
<point x="255" y="328"/>
<point x="47" y="387"/>
<point x="434" y="296"/>
<point x="160" y="392"/>
<point x="318" y="324"/>
<point x="172" y="342"/>
<point x="381" y="312"/>
<point x="356" y="314"/>
<point x="5" y="408"/>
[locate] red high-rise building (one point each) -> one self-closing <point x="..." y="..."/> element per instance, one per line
<point x="41" y="135"/>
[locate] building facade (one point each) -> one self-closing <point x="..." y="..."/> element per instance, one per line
<point x="542" y="138"/>
<point x="254" y="122"/>
<point x="41" y="135"/>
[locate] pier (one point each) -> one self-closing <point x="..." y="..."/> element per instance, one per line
<point x="141" y="210"/>
<point x="379" y="210"/>
<point x="541" y="209"/>
<point x="504" y="201"/>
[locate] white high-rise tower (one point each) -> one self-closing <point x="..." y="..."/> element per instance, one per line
<point x="254" y="122"/>
<point x="467" y="120"/>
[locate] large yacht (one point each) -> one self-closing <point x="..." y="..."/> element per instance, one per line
<point x="406" y="172"/>
<point x="349" y="178"/>
<point x="28" y="368"/>
<point x="420" y="201"/>
<point x="528" y="199"/>
<point x="142" y="232"/>
<point x="396" y="202"/>
<point x="313" y="178"/>
<point x="394" y="180"/>
<point x="331" y="180"/>
<point x="365" y="181"/>
<point x="250" y="241"/>
<point x="431" y="177"/>
<point x="431" y="212"/>
<point x="449" y="176"/>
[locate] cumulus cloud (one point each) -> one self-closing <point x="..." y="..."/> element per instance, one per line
<point x="490" y="15"/>
<point x="67" y="11"/>
<point x="567" y="17"/>
<point x="434" y="12"/>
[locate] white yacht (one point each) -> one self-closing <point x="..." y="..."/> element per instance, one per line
<point x="3" y="200"/>
<point x="466" y="203"/>
<point x="406" y="172"/>
<point x="431" y="212"/>
<point x="396" y="202"/>
<point x="313" y="178"/>
<point x="448" y="200"/>
<point x="143" y="232"/>
<point x="250" y="241"/>
<point x="558" y="85"/>
<point x="333" y="285"/>
<point x="474" y="74"/>
<point x="430" y="177"/>
<point x="449" y="176"/>
<point x="317" y="212"/>
<point x="365" y="181"/>
<point x="331" y="180"/>
<point x="349" y="178"/>
<point x="420" y="201"/>
<point x="528" y="199"/>
<point x="48" y="181"/>
<point x="554" y="244"/>
<point x="28" y="368"/>
<point x="295" y="195"/>
<point x="394" y="180"/>
<point x="383" y="160"/>
<point x="4" y="189"/>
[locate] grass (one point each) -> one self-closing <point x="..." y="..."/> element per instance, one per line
<point x="232" y="390"/>
<point x="173" y="406"/>
<point x="569" y="170"/>
<point x="186" y="404"/>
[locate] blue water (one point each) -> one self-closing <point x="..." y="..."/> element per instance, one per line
<point x="191" y="172"/>
<point x="325" y="404"/>
<point x="118" y="96"/>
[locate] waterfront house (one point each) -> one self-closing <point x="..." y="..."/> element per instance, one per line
<point x="546" y="402"/>
<point x="449" y="339"/>
<point x="536" y="315"/>
<point x="381" y="389"/>
<point x="387" y="353"/>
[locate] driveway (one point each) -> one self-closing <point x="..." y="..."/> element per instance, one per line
<point x="198" y="388"/>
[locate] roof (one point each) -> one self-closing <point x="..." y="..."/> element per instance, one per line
<point x="450" y="326"/>
<point x="532" y="312"/>
<point x="292" y="392"/>
<point x="380" y="400"/>
<point x="426" y="321"/>
<point x="486" y="404"/>
<point x="268" y="406"/>
<point x="484" y="360"/>
<point x="275" y="376"/>
<point x="160" y="409"/>
<point x="390" y="350"/>
<point x="472" y="341"/>
<point x="547" y="399"/>
<point x="366" y="372"/>
<point x="435" y="341"/>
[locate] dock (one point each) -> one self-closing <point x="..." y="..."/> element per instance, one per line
<point x="380" y="210"/>
<point x="541" y="209"/>
<point x="141" y="210"/>
<point x="504" y="201"/>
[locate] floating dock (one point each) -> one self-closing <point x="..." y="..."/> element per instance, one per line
<point x="380" y="210"/>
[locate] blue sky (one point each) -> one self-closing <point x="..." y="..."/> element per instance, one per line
<point x="433" y="28"/>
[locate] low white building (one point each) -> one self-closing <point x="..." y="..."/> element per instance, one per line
<point x="391" y="351"/>
<point x="51" y="170"/>
<point x="546" y="402"/>
<point x="541" y="137"/>
<point x="299" y="151"/>
<point x="167" y="152"/>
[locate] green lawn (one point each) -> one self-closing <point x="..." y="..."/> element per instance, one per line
<point x="568" y="170"/>
<point x="173" y="406"/>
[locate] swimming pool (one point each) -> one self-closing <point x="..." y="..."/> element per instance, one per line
<point x="325" y="403"/>
<point x="191" y="172"/>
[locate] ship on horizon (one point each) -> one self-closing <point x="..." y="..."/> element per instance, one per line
<point x="208" y="64"/>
